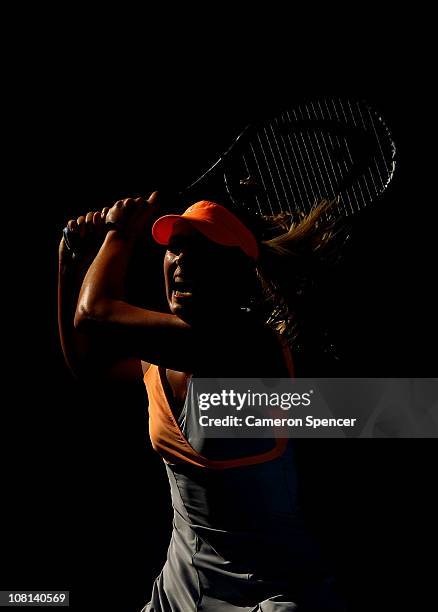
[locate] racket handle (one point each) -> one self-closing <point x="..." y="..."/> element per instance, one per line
<point x="68" y="239"/>
<point x="73" y="242"/>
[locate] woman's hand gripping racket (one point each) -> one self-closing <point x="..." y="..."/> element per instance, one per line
<point x="324" y="149"/>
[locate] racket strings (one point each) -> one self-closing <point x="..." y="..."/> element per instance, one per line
<point x="297" y="163"/>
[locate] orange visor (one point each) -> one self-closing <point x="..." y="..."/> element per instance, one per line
<point x="216" y="222"/>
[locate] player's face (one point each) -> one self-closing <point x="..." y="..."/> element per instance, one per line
<point x="201" y="276"/>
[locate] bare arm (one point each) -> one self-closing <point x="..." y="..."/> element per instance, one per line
<point x="73" y="342"/>
<point x="85" y="353"/>
<point x="148" y="335"/>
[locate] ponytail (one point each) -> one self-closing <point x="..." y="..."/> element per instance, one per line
<point x="293" y="271"/>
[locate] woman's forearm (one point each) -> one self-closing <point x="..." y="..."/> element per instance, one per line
<point x="73" y="343"/>
<point x="105" y="280"/>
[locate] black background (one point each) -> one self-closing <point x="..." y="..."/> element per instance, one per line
<point x="85" y="502"/>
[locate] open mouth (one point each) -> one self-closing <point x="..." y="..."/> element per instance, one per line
<point x="182" y="288"/>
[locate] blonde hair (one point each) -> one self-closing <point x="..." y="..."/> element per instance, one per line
<point x="293" y="270"/>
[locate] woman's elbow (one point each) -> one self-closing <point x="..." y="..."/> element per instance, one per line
<point x="83" y="317"/>
<point x="89" y="315"/>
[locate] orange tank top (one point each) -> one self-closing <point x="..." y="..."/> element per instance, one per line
<point x="168" y="440"/>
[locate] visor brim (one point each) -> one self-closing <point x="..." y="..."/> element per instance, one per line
<point x="163" y="229"/>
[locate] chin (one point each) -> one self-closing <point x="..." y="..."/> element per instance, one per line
<point x="180" y="310"/>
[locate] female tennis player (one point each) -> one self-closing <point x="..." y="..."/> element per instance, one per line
<point x="239" y="542"/>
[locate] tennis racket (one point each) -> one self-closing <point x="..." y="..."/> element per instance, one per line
<point x="329" y="148"/>
<point x="332" y="148"/>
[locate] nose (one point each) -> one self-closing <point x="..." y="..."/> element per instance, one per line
<point x="184" y="253"/>
<point x="180" y="257"/>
